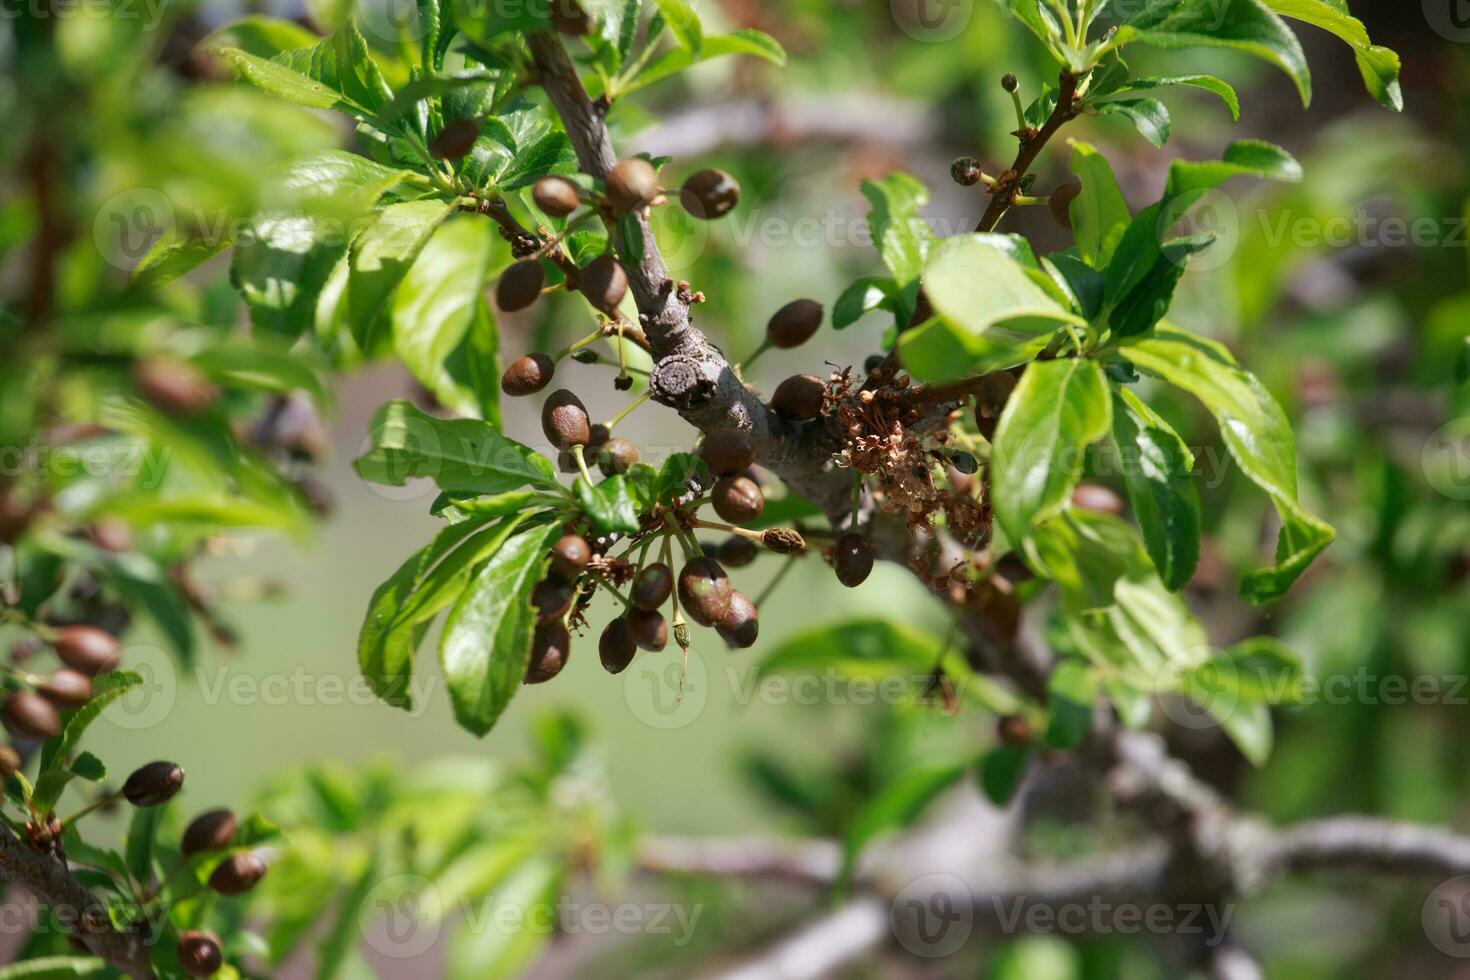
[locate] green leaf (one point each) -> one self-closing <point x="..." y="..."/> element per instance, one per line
<point x="864" y="296"/>
<point x="683" y="23"/>
<point x="1157" y="472"/>
<point x="1071" y="690"/>
<point x="343" y="64"/>
<point x="1378" y="65"/>
<point x="1001" y="771"/>
<point x="381" y="256"/>
<point x="55" y="968"/>
<point x="282" y="269"/>
<point x="1149" y="116"/>
<point x="902" y="237"/>
<point x="1242" y="25"/>
<point x="1207" y="82"/>
<point x="172" y="256"/>
<point x="989" y="312"/>
<point x="506" y="947"/>
<point x="745" y="41"/>
<point x="609" y="505"/>
<point x="1099" y="213"/>
<point x="1059" y="409"/>
<point x="264" y="37"/>
<point x="484" y="22"/>
<point x="141" y="831"/>
<point x="897" y="805"/>
<point x="1258" y="435"/>
<point x="464" y="455"/>
<point x="550" y="154"/>
<point x="435" y="307"/>
<point x="89" y="767"/>
<point x="238" y="365"/>
<point x="487" y="639"/>
<point x="105" y="690"/>
<point x="282" y="82"/>
<point x="1462" y="363"/>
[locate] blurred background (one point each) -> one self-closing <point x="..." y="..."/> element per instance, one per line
<point x="1349" y="294"/>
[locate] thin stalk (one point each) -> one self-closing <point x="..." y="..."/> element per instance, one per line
<point x="770" y="587"/>
<point x="582" y="464"/>
<point x="627" y="411"/>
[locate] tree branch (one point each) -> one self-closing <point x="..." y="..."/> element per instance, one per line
<point x="48" y="879"/>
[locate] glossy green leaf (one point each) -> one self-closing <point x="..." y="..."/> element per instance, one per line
<point x="380" y="258"/>
<point x="141" y="831"/>
<point x="683" y="23"/>
<point x="864" y="296"/>
<point x="1099" y="213"/>
<point x="464" y="455"/>
<point x="1149" y="116"/>
<point x="1207" y="82"/>
<point x="609" y="505"/>
<point x="746" y="41"/>
<point x="264" y="37"/>
<point x="172" y="256"/>
<point x="1378" y="65"/>
<point x="105" y="690"/>
<point x="1258" y="435"/>
<point x="487" y="638"/>
<point x="1059" y="409"/>
<point x="903" y="239"/>
<point x="1157" y="472"/>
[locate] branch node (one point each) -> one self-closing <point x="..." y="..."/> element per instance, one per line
<point x="680" y="382"/>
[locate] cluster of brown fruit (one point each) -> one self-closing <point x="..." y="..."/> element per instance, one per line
<point x="34" y="710"/>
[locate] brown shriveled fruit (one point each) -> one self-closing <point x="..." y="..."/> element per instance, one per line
<point x="210" y="831"/>
<point x="737" y="499"/>
<point x="793" y="324"/>
<point x="600" y="435"/>
<point x="527" y="375"/>
<point x="10" y="761"/>
<point x="564" y="420"/>
<point x="569" y="556"/>
<point x="604" y="282"/>
<point x="652" y="587"/>
<point x="852" y="559"/>
<point x="649" y="629"/>
<point x="799" y="397"/>
<point x="66" y="688"/>
<point x="710" y="194"/>
<point x="173" y="385"/>
<point x="740" y="625"/>
<point x="631" y="184"/>
<point x="520" y="285"/>
<point x="238" y="873"/>
<point x="1092" y="496"/>
<point x="1060" y="203"/>
<point x="27" y="713"/>
<point x="556" y="197"/>
<point x="86" y="648"/>
<point x="727" y="451"/>
<point x="738" y="552"/>
<point x="552" y="599"/>
<point x="154" y="784"/>
<point x="783" y="540"/>
<point x="616" y="646"/>
<point x="199" y="954"/>
<point x="551" y="645"/>
<point x="1014" y="731"/>
<point x="617" y="456"/>
<point x="456" y="139"/>
<point x="704" y="590"/>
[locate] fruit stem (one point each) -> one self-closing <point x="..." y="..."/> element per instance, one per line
<point x="764" y="346"/>
<point x="631" y="405"/>
<point x="96" y="804"/>
<point x="576" y="346"/>
<point x="770" y="588"/>
<point x="45" y="632"/>
<point x="755" y="536"/>
<point x="581" y="459"/>
<point x="1020" y="110"/>
<point x="607" y="584"/>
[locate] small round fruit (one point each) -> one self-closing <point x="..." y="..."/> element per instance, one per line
<point x="210" y="831"/>
<point x="551" y="644"/>
<point x="737" y="499"/>
<point x="66" y="688"/>
<point x="564" y="420"/>
<point x="568" y="17"/>
<point x="704" y="589"/>
<point x="600" y="435"/>
<point x="617" y="456"/>
<point x="520" y="285"/>
<point x="570" y="555"/>
<point x="456" y="139"/>
<point x="604" y="283"/>
<point x="852" y="559"/>
<point x="1092" y="496"/>
<point x="527" y="375"/>
<point x="1014" y="731"/>
<point x="793" y="324"/>
<point x="556" y="197"/>
<point x="783" y="540"/>
<point x="727" y="452"/>
<point x="799" y="397"/>
<point x="199" y="954"/>
<point x="238" y="873"/>
<point x="1060" y="203"/>
<point x="616" y="646"/>
<point x="86" y="648"/>
<point x="738" y="552"/>
<point x="652" y="587"/>
<point x="154" y="784"/>
<point x="710" y="194"/>
<point x="649" y="629"/>
<point x="965" y="171"/>
<point x="174" y="386"/>
<point x="27" y="713"/>
<point x="740" y="625"/>
<point x="631" y="184"/>
<point x="10" y="761"/>
<point x="552" y="599"/>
